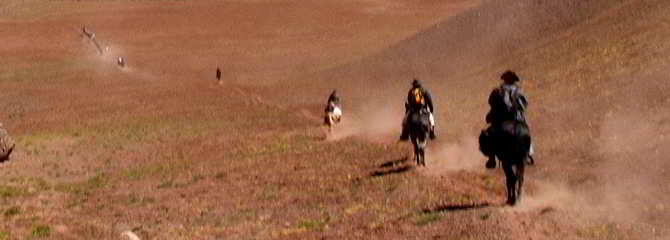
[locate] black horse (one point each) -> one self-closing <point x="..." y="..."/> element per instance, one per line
<point x="419" y="127"/>
<point x="510" y="143"/>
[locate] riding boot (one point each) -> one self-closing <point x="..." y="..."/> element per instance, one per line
<point x="491" y="163"/>
<point x="432" y="133"/>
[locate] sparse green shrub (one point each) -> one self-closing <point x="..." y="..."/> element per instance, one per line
<point x="84" y="187"/>
<point x="318" y="224"/>
<point x="41" y="231"/>
<point x="12" y="211"/>
<point x="166" y="184"/>
<point x="4" y="235"/>
<point x="427" y="218"/>
<point x="11" y="191"/>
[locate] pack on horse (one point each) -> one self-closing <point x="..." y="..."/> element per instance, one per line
<point x="508" y="136"/>
<point x="333" y="111"/>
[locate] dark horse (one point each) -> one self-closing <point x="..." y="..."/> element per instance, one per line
<point x="510" y="144"/>
<point x="419" y="126"/>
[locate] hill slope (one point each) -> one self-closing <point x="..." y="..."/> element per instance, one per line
<point x="162" y="150"/>
<point x="595" y="74"/>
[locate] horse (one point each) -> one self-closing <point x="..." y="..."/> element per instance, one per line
<point x="333" y="116"/>
<point x="511" y="145"/>
<point x="121" y="62"/>
<point x="419" y="126"/>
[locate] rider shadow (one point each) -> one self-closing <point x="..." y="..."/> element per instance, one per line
<point x="457" y="207"/>
<point x="380" y="173"/>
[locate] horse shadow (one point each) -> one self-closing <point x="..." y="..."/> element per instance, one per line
<point x="457" y="207"/>
<point x="389" y="168"/>
<point x="394" y="162"/>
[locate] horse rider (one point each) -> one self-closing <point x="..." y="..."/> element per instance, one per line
<point x="512" y="107"/>
<point x="418" y="98"/>
<point x="121" y="62"/>
<point x="333" y="105"/>
<point x="333" y="99"/>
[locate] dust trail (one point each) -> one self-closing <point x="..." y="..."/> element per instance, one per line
<point x="106" y="62"/>
<point x="633" y="168"/>
<point x="629" y="186"/>
<point x="550" y="196"/>
<point x="373" y="121"/>
<point x="461" y="155"/>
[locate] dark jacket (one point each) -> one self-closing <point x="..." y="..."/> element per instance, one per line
<point x="510" y="108"/>
<point x="412" y="106"/>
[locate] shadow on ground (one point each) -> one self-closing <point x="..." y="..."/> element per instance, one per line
<point x="457" y="207"/>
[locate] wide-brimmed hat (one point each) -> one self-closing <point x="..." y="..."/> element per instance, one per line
<point x="509" y="76"/>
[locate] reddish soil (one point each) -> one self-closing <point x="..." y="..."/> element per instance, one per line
<point x="163" y="150"/>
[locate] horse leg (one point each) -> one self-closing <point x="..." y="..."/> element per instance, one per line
<point x="423" y="157"/>
<point x="330" y="121"/>
<point x="422" y="153"/>
<point x="415" y="146"/>
<point x="511" y="179"/>
<point x="521" y="168"/>
<point x="422" y="147"/>
<point x="491" y="163"/>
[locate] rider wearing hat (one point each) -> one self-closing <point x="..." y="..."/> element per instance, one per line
<point x="418" y="98"/>
<point x="512" y="106"/>
<point x="514" y="102"/>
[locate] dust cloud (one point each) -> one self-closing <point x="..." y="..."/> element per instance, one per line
<point x="634" y="168"/>
<point x="629" y="180"/>
<point x="373" y="121"/>
<point x="442" y="157"/>
<point x="106" y="62"/>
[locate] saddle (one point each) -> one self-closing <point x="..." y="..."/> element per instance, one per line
<point x="420" y="117"/>
<point x="506" y="132"/>
<point x="514" y="128"/>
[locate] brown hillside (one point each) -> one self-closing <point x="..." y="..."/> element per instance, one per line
<point x="163" y="150"/>
<point x="594" y="71"/>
